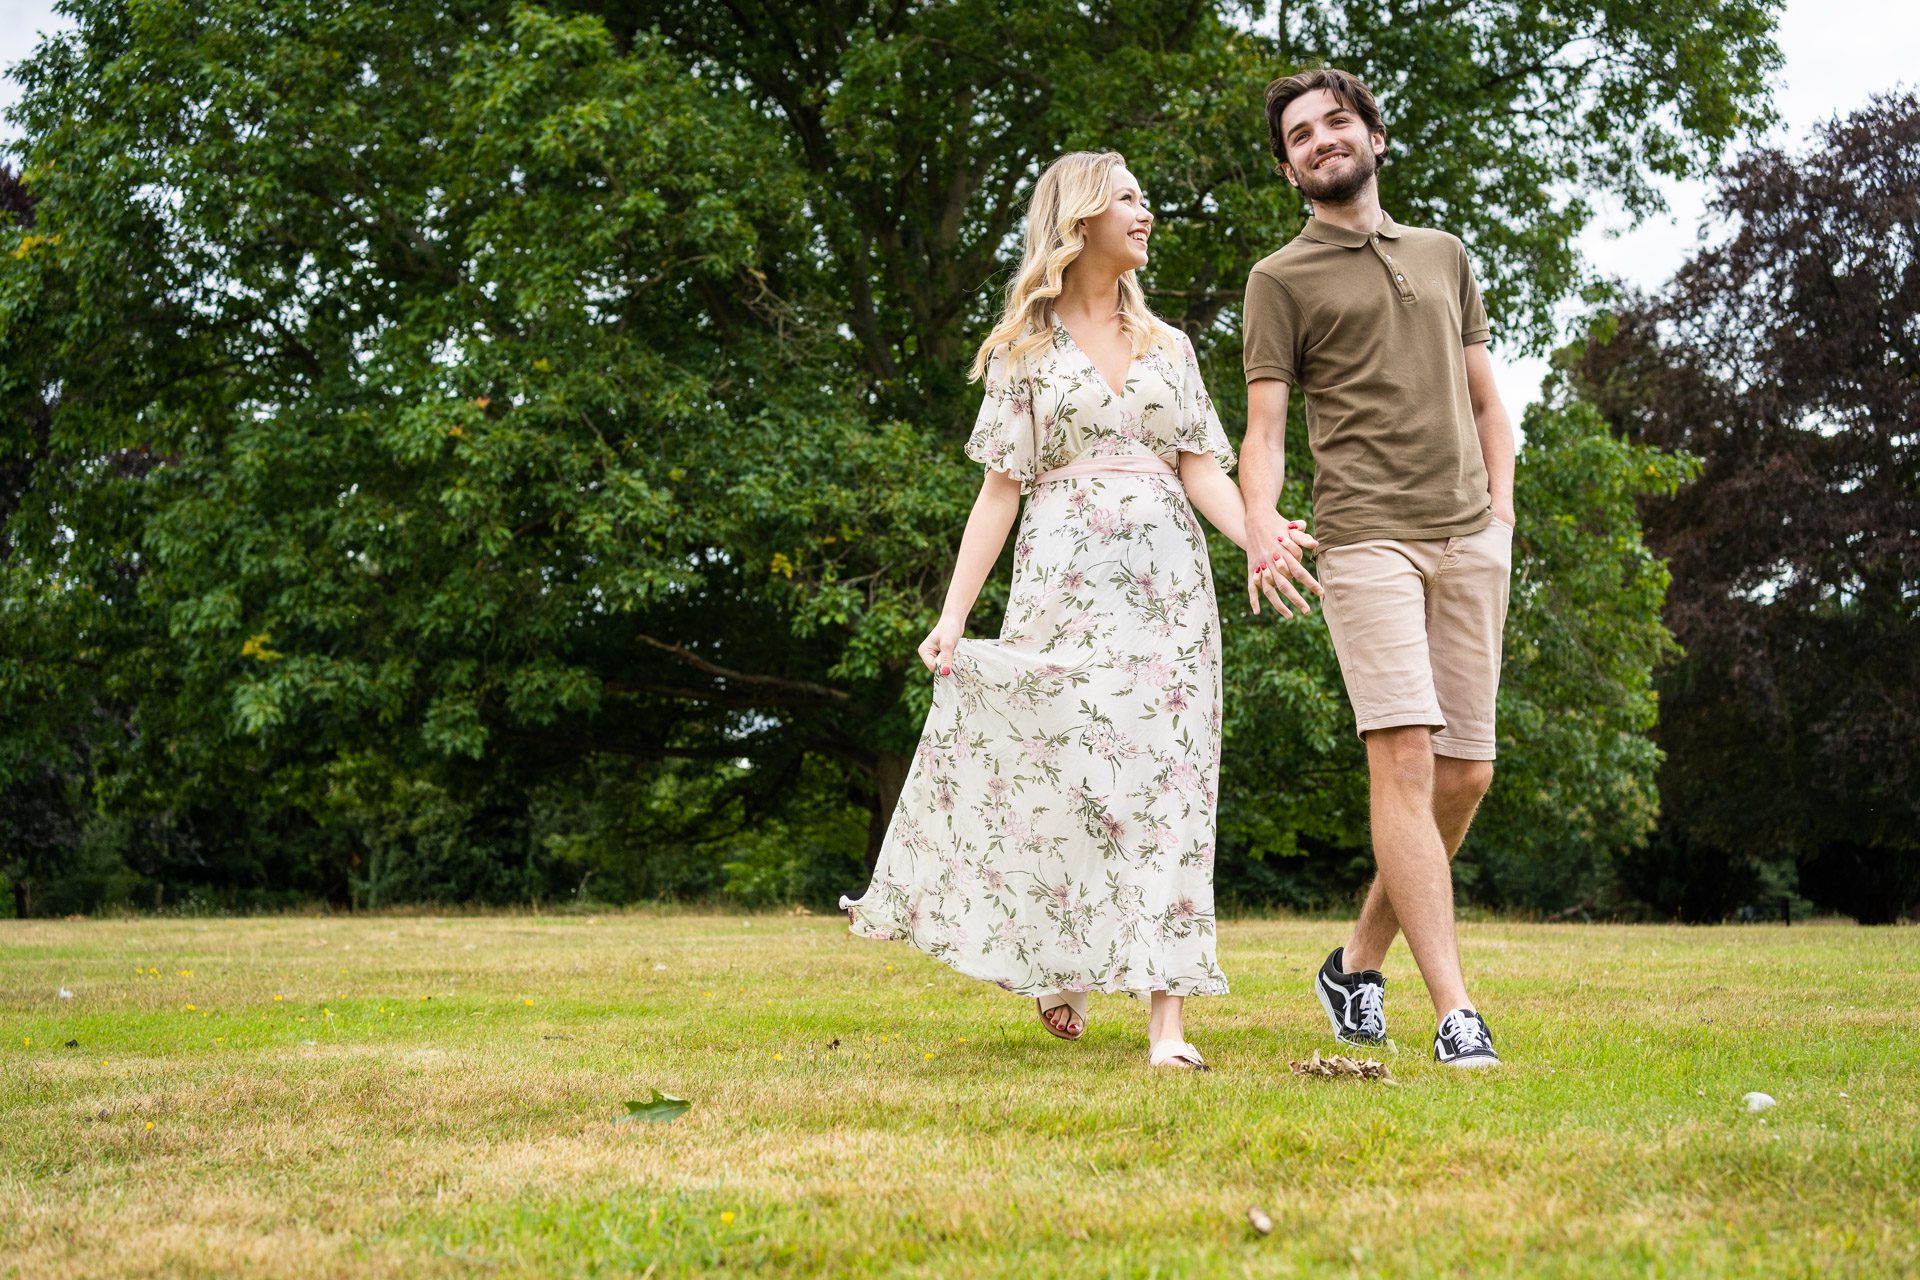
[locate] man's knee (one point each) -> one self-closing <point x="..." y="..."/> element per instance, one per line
<point x="1402" y="755"/>
<point x="1461" y="783"/>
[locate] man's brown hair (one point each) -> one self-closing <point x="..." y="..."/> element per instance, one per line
<point x="1344" y="86"/>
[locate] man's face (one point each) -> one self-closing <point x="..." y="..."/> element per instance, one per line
<point x="1330" y="155"/>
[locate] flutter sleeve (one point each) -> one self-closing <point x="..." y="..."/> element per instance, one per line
<point x="1199" y="429"/>
<point x="1004" y="436"/>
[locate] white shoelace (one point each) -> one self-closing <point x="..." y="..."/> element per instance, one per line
<point x="1466" y="1031"/>
<point x="1373" y="1018"/>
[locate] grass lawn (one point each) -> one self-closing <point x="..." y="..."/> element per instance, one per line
<point x="413" y="1096"/>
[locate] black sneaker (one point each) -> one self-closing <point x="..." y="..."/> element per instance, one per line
<point x="1464" y="1041"/>
<point x="1353" y="1001"/>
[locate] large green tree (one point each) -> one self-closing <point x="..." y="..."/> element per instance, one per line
<point x="1786" y="355"/>
<point x="476" y="396"/>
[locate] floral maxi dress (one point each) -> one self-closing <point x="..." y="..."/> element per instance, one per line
<point x="1056" y="828"/>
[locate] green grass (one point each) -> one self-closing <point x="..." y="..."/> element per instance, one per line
<point x="434" y="1097"/>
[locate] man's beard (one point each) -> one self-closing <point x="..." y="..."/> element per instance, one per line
<point x="1342" y="189"/>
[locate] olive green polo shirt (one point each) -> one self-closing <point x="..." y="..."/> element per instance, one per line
<point x="1371" y="328"/>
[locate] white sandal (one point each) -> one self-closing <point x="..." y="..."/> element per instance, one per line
<point x="1177" y="1055"/>
<point x="1076" y="1001"/>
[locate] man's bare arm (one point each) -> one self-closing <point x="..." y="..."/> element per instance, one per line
<point x="1495" y="429"/>
<point x="1272" y="545"/>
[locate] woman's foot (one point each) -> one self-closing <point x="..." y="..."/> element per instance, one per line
<point x="1166" y="1040"/>
<point x="1176" y="1055"/>
<point x="1063" y="1014"/>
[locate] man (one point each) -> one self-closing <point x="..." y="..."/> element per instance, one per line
<point x="1382" y="328"/>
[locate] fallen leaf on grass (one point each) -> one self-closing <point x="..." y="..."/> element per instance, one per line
<point x="1338" y="1065"/>
<point x="1757" y="1101"/>
<point x="661" y="1108"/>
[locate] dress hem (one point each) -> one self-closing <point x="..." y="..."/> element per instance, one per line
<point x="861" y="928"/>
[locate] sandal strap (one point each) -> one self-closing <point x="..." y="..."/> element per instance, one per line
<point x="1168" y="1050"/>
<point x="1074" y="1000"/>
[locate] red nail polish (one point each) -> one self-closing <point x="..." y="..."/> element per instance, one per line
<point x="946" y="671"/>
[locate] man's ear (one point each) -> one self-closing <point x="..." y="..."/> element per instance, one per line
<point x="1286" y="171"/>
<point x="1379" y="141"/>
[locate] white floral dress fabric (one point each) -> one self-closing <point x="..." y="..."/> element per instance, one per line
<point x="1056" y="828"/>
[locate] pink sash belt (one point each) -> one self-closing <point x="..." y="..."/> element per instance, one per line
<point x="1128" y="464"/>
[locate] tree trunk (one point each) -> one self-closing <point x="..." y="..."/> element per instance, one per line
<point x="889" y="775"/>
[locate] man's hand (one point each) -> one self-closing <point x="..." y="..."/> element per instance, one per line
<point x="1274" y="548"/>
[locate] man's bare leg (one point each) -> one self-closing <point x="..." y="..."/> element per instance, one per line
<point x="1415" y="869"/>
<point x="1458" y="788"/>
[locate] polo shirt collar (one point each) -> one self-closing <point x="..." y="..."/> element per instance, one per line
<point x="1327" y="233"/>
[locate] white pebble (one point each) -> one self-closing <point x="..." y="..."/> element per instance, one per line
<point x="68" y="995"/>
<point x="659" y="968"/>
<point x="1757" y="1101"/>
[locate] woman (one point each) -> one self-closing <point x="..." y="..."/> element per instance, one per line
<point x="1055" y="832"/>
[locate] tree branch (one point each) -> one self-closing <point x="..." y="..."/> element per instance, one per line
<point x="699" y="663"/>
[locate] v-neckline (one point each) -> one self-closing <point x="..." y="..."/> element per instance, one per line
<point x="1105" y="384"/>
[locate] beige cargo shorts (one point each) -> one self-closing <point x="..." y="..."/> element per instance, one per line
<point x="1417" y="628"/>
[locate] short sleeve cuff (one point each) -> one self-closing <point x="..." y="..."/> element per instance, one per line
<point x="999" y="456"/>
<point x="1256" y="372"/>
<point x="1472" y="336"/>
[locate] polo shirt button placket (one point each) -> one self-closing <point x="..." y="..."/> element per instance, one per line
<point x="1399" y="277"/>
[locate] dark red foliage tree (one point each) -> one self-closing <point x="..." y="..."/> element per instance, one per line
<point x="1787" y="358"/>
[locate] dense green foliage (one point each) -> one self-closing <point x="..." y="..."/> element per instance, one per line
<point x="483" y="451"/>
<point x="1787" y="357"/>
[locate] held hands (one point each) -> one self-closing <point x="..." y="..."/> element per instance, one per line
<point x="937" y="649"/>
<point x="1274" y="548"/>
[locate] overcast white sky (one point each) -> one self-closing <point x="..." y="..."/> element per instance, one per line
<point x="1839" y="53"/>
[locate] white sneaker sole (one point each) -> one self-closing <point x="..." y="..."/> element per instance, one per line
<point x="1475" y="1063"/>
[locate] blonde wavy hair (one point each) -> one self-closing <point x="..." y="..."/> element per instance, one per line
<point x="1074" y="188"/>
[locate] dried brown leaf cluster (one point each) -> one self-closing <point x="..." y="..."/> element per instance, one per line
<point x="1337" y="1066"/>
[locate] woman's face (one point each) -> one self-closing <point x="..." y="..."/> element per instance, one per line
<point x="1119" y="235"/>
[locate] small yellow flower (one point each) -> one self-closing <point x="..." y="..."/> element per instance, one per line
<point x="103" y="1062"/>
<point x="26" y="1039"/>
<point x="727" y="1217"/>
<point x="926" y="1057"/>
<point x="776" y="1057"/>
<point x="278" y="999"/>
<point x="154" y="972"/>
<point x="707" y="994"/>
<point x="149" y="1124"/>
<point x="183" y="973"/>
<point x="189" y="1008"/>
<point x="527" y="1002"/>
<point x="963" y="1039"/>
